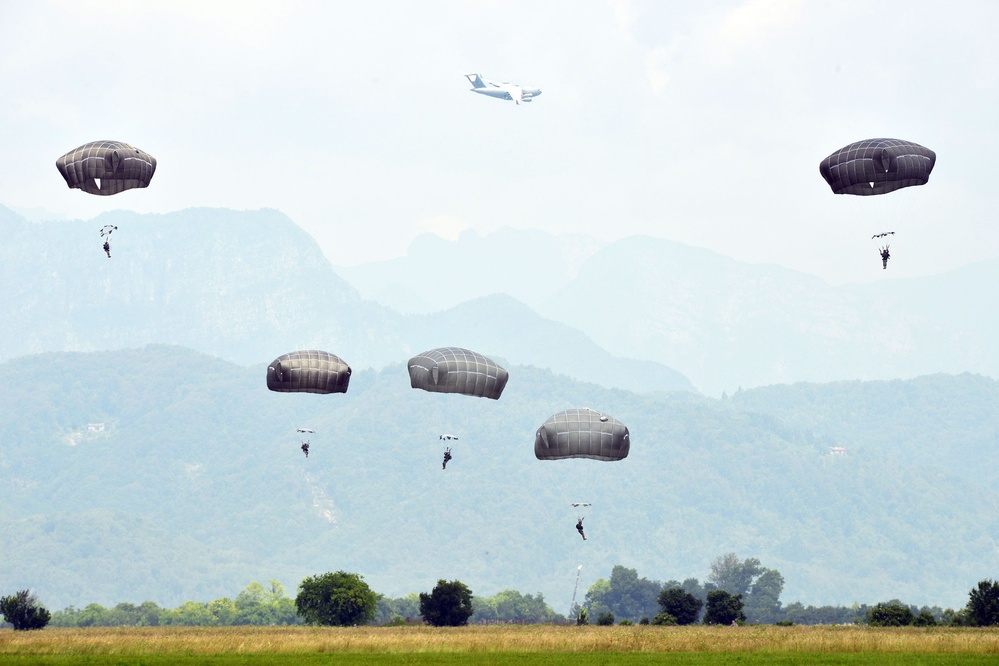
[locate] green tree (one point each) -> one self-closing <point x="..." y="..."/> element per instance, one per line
<point x="403" y="609"/>
<point x="189" y="614"/>
<point x="733" y="576"/>
<point x="23" y="611"/>
<point x="682" y="606"/>
<point x="760" y="587"/>
<point x="605" y="619"/>
<point x="449" y="604"/>
<point x="625" y="595"/>
<point x="336" y="599"/>
<point x="762" y="604"/>
<point x="983" y="603"/>
<point x="583" y="618"/>
<point x="723" y="608"/>
<point x="664" y="620"/>
<point x="484" y="610"/>
<point x="93" y="615"/>
<point x="512" y="606"/>
<point x="925" y="619"/>
<point x="890" y="614"/>
<point x="224" y="612"/>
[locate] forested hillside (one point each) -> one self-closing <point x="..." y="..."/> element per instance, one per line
<point x="196" y="486"/>
<point x="946" y="423"/>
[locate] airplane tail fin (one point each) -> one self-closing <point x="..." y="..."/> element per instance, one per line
<point x="475" y="80"/>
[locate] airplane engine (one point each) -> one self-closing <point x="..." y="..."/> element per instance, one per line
<point x="527" y="97"/>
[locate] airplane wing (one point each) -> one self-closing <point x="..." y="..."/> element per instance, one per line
<point x="516" y="93"/>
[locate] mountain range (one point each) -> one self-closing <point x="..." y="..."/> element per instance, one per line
<point x="247" y="286"/>
<point x="721" y="322"/>
<point x="640" y="313"/>
<point x="141" y="456"/>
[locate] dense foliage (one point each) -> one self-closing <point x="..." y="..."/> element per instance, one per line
<point x="679" y="603"/>
<point x="255" y="605"/>
<point x="723" y="608"/>
<point x="510" y="606"/>
<point x="890" y="614"/>
<point x="338" y="599"/>
<point x="682" y="606"/>
<point x="983" y="603"/>
<point x="624" y="596"/>
<point x="449" y="604"/>
<point x="23" y="611"/>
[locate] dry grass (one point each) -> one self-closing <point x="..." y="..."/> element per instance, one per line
<point x="497" y="639"/>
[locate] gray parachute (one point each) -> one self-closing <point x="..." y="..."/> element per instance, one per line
<point x="308" y="371"/>
<point x="106" y="167"/>
<point x="582" y="433"/>
<point x="457" y="370"/>
<point x="877" y="166"/>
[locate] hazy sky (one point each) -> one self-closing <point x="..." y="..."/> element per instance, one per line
<point x="700" y="122"/>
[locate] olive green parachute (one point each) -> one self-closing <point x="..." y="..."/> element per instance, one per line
<point x="457" y="370"/>
<point x="877" y="166"/>
<point x="106" y="167"/>
<point x="582" y="433"/>
<point x="309" y="371"/>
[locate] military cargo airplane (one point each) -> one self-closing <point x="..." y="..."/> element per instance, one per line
<point x="502" y="90"/>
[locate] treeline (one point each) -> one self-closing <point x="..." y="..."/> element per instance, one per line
<point x="736" y="591"/>
<point x="255" y="605"/>
<point x="258" y="605"/>
<point x="755" y="592"/>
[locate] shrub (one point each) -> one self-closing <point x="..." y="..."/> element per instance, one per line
<point x="890" y="614"/>
<point x="23" y="611"/>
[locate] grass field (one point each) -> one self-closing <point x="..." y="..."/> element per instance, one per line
<point x="503" y="644"/>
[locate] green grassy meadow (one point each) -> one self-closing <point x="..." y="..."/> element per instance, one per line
<point x="502" y="644"/>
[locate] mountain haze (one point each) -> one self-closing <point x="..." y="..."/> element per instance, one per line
<point x="251" y="285"/>
<point x="529" y="265"/>
<point x="720" y="322"/>
<point x="727" y="324"/>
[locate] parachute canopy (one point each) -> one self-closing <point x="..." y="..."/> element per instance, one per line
<point x="309" y="371"/>
<point x="582" y="433"/>
<point x="877" y="166"/>
<point x="457" y="370"/>
<point x="106" y="167"/>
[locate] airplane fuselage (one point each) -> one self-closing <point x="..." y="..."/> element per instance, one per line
<point x="508" y="91"/>
<point x="527" y="93"/>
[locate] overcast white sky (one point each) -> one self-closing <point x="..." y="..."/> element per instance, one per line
<point x="700" y="122"/>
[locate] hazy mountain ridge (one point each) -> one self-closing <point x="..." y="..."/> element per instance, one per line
<point x="199" y="277"/>
<point x="246" y="285"/>
<point x="720" y="322"/>
<point x="528" y="264"/>
<point x="500" y="322"/>
<point x="196" y="486"/>
<point x="725" y="324"/>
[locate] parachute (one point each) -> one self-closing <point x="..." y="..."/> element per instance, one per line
<point x="877" y="166"/>
<point x="309" y="371"/>
<point x="457" y="370"/>
<point x="106" y="231"/>
<point x="582" y="433"/>
<point x="106" y="167"/>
